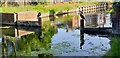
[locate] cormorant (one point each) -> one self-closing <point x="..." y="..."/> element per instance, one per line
<point x="82" y="16"/>
<point x="39" y="14"/>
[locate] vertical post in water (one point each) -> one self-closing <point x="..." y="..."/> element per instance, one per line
<point x="40" y="25"/>
<point x="82" y="23"/>
<point x="39" y="19"/>
<point x="82" y="29"/>
<point x="81" y="20"/>
<point x="51" y="13"/>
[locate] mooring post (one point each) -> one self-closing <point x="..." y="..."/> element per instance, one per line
<point x="51" y="13"/>
<point x="82" y="29"/>
<point x="39" y="19"/>
<point x="16" y="18"/>
<point x="40" y="25"/>
<point x="82" y="20"/>
<point x="82" y="23"/>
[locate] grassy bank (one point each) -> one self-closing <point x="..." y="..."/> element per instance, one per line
<point x="40" y="8"/>
<point x="115" y="47"/>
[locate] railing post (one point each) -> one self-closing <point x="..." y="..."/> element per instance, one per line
<point x="16" y="19"/>
<point x="82" y="23"/>
<point x="39" y="19"/>
<point x="82" y="20"/>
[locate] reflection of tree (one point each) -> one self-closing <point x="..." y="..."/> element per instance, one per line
<point x="31" y="42"/>
<point x="47" y="33"/>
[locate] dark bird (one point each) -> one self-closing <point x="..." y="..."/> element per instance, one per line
<point x="82" y="16"/>
<point x="39" y="14"/>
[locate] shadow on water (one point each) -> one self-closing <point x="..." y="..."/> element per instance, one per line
<point x="55" y="39"/>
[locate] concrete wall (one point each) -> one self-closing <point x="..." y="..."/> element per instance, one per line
<point x="32" y="15"/>
<point x="11" y="18"/>
<point x="27" y="16"/>
<point x="15" y="32"/>
<point x="7" y="18"/>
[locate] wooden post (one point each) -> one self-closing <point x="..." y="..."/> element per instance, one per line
<point x="39" y="19"/>
<point x="52" y="18"/>
<point x="82" y="30"/>
<point x="82" y="23"/>
<point x="40" y="25"/>
<point x="51" y="13"/>
<point x="82" y="20"/>
<point x="16" y="18"/>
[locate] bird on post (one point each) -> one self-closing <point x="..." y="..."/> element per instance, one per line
<point x="81" y="15"/>
<point x="39" y="14"/>
<point x="39" y="19"/>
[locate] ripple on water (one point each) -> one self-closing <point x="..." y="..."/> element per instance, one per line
<point x="68" y="44"/>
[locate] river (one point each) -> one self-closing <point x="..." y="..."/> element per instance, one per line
<point x="60" y="37"/>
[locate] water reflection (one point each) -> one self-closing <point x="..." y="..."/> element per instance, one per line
<point x="81" y="39"/>
<point x="28" y="43"/>
<point x="91" y="20"/>
<point x="75" y="21"/>
<point x="68" y="26"/>
<point x="98" y="20"/>
<point x="62" y="39"/>
<point x="16" y="32"/>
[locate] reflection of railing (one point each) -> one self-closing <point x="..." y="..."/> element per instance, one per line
<point x="101" y="32"/>
<point x="92" y="20"/>
<point x="15" y="32"/>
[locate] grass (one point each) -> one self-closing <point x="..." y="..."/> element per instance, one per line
<point x="40" y="8"/>
<point x="115" y="47"/>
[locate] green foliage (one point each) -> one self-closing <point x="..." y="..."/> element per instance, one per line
<point x="32" y="42"/>
<point x="40" y="8"/>
<point x="116" y="6"/>
<point x="115" y="47"/>
<point x="66" y="18"/>
<point x="52" y="11"/>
